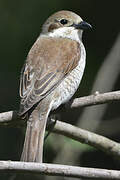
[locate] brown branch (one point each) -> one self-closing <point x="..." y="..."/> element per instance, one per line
<point x="58" y="170"/>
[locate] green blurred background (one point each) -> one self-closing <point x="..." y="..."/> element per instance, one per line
<point x="20" y="25"/>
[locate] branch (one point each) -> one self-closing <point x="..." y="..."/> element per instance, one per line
<point x="11" y="119"/>
<point x="84" y="136"/>
<point x="95" y="99"/>
<point x="58" y="170"/>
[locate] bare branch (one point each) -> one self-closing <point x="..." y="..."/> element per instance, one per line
<point x="80" y="135"/>
<point x="96" y="99"/>
<point x="8" y="116"/>
<point x="11" y="119"/>
<point x="58" y="170"/>
<point x="84" y="136"/>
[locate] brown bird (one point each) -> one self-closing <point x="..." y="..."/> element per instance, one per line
<point x="50" y="76"/>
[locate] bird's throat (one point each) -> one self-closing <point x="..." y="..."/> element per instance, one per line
<point x="66" y="32"/>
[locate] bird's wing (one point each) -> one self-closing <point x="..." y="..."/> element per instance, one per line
<point x="48" y="62"/>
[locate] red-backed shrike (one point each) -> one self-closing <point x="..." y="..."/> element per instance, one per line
<point x="50" y="76"/>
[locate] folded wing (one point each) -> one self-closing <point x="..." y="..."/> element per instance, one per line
<point x="49" y="61"/>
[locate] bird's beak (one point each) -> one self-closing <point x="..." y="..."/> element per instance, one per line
<point x="82" y="25"/>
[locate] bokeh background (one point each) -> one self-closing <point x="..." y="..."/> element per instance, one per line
<point x="20" y="25"/>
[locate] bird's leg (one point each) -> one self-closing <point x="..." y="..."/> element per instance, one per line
<point x="51" y="121"/>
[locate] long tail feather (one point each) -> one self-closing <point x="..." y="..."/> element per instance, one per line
<point x="34" y="138"/>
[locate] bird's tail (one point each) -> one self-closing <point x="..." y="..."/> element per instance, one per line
<point x="34" y="138"/>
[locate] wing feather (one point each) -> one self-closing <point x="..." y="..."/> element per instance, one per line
<point x="48" y="62"/>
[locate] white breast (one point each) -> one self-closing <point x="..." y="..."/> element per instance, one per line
<point x="69" y="85"/>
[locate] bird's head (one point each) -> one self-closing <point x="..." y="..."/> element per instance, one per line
<point x="65" y="23"/>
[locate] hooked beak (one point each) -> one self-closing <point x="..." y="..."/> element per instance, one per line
<point x="82" y="25"/>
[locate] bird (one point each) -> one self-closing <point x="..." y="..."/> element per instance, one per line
<point x="50" y="76"/>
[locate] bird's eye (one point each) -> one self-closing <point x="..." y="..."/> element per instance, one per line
<point x="63" y="21"/>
